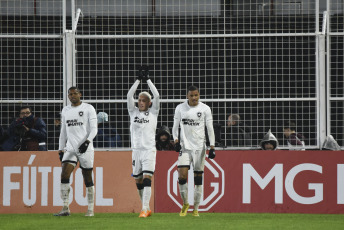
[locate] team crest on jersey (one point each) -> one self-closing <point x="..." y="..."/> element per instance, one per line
<point x="133" y="162"/>
<point x="81" y="113"/>
<point x="146" y="113"/>
<point x="199" y="114"/>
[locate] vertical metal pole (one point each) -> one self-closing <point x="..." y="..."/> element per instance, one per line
<point x="322" y="82"/>
<point x="328" y="73"/>
<point x="73" y="14"/>
<point x="64" y="86"/>
<point x="69" y="61"/>
<point x="73" y="44"/>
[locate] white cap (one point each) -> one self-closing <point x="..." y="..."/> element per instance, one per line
<point x="102" y="116"/>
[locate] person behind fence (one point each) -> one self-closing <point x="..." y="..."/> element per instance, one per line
<point x="26" y="133"/>
<point x="269" y="142"/>
<point x="107" y="135"/>
<point x="238" y="133"/>
<point x="163" y="139"/>
<point x="3" y="136"/>
<point x="78" y="129"/>
<point x="295" y="140"/>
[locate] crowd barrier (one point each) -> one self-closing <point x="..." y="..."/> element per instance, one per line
<point x="259" y="181"/>
<point x="235" y="181"/>
<point x="30" y="183"/>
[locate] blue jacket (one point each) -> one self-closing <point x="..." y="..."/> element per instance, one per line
<point x="37" y="133"/>
<point x="107" y="137"/>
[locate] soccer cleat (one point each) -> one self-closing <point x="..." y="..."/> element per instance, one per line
<point x="149" y="213"/>
<point x="89" y="213"/>
<point x="63" y="212"/>
<point x="184" y="210"/>
<point x="145" y="214"/>
<point x="195" y="213"/>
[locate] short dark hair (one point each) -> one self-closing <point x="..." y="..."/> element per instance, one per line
<point x="74" y="88"/>
<point x="193" y="88"/>
<point x="25" y="107"/>
<point x="290" y="125"/>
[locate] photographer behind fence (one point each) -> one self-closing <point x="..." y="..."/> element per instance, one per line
<point x="26" y="133"/>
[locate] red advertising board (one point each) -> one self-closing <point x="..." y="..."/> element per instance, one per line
<point x="30" y="183"/>
<point x="258" y="181"/>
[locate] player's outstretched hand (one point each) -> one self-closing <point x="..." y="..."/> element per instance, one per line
<point x="139" y="73"/>
<point x="177" y="147"/>
<point x="211" y="154"/>
<point x="145" y="73"/>
<point x="83" y="147"/>
<point x="61" y="155"/>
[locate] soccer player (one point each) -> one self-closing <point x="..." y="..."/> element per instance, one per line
<point x="192" y="116"/>
<point x="78" y="128"/>
<point x="143" y="123"/>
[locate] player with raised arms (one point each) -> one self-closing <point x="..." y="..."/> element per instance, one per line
<point x="192" y="116"/>
<point x="143" y="123"/>
<point x="78" y="128"/>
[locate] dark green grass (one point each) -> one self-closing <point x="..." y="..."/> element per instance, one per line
<point x="208" y="221"/>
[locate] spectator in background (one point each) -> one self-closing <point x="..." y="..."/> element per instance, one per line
<point x="163" y="139"/>
<point x="295" y="140"/>
<point x="238" y="133"/>
<point x="3" y="137"/>
<point x="53" y="139"/>
<point x="107" y="136"/>
<point x="26" y="133"/>
<point x="269" y="142"/>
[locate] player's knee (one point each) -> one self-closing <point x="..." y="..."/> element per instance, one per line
<point x="65" y="176"/>
<point x="139" y="186"/>
<point x="182" y="181"/>
<point x="64" y="181"/>
<point x="89" y="183"/>
<point x="147" y="182"/>
<point x="198" y="180"/>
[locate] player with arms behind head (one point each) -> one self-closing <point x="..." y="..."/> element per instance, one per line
<point x="78" y="128"/>
<point x="192" y="116"/>
<point x="143" y="123"/>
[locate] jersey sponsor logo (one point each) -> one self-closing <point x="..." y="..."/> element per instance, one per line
<point x="190" y="122"/>
<point x="81" y="113"/>
<point x="213" y="185"/>
<point x="142" y="120"/>
<point x="74" y="122"/>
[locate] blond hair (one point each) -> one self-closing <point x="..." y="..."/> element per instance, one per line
<point x="146" y="94"/>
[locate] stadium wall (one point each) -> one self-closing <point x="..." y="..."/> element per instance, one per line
<point x="236" y="181"/>
<point x="30" y="183"/>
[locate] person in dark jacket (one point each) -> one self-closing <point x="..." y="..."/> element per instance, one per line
<point x="3" y="136"/>
<point x="295" y="140"/>
<point x="163" y="139"/>
<point x="239" y="134"/>
<point x="107" y="136"/>
<point x="269" y="142"/>
<point x="26" y="133"/>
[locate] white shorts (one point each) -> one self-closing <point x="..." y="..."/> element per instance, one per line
<point x="86" y="159"/>
<point x="196" y="157"/>
<point x="143" y="162"/>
